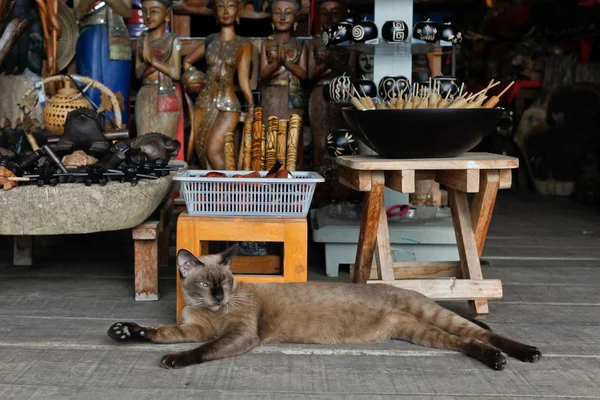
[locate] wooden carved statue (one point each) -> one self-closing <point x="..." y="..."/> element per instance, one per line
<point x="283" y="63"/>
<point x="158" y="65"/>
<point x="104" y="50"/>
<point x="217" y="109"/>
<point x="325" y="65"/>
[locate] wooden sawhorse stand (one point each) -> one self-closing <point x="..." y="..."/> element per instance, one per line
<point x="479" y="173"/>
<point x="194" y="231"/>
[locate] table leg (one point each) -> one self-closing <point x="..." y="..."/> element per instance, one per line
<point x="470" y="266"/>
<point x="23" y="250"/>
<point x="188" y="240"/>
<point x="369" y="224"/>
<point x="483" y="205"/>
<point x="383" y="254"/>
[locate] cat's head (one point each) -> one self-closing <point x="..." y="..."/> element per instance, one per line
<point x="206" y="281"/>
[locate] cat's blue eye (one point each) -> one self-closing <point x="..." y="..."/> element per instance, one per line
<point x="203" y="284"/>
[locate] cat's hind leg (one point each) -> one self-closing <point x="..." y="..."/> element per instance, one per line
<point x="130" y="331"/>
<point x="424" y="334"/>
<point x="457" y="325"/>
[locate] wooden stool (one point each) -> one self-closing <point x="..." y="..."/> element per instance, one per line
<point x="480" y="173"/>
<point x="192" y="230"/>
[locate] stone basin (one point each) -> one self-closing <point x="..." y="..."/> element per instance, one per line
<point x="73" y="208"/>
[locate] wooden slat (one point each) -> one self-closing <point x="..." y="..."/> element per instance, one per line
<point x="464" y="180"/>
<point x="357" y="180"/>
<point x="403" y="181"/>
<point x="383" y="253"/>
<point x="260" y="278"/>
<point x="240" y="229"/>
<point x="268" y="264"/>
<point x="505" y="178"/>
<point x="451" y="289"/>
<point x="369" y="223"/>
<point x="426" y="175"/>
<point x="423" y="269"/>
<point x="465" y="161"/>
<point x="146" y="231"/>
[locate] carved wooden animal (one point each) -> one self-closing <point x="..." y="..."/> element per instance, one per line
<point x="234" y="317"/>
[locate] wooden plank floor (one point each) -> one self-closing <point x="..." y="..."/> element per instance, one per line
<point x="54" y="317"/>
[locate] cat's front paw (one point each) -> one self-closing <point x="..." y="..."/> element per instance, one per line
<point x="172" y="361"/>
<point x="125" y="331"/>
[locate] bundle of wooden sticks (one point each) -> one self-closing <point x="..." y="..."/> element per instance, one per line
<point x="262" y="145"/>
<point x="421" y="96"/>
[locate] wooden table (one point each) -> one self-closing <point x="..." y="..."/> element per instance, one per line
<point x="479" y="173"/>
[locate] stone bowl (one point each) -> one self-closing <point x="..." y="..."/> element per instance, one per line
<point x="73" y="208"/>
<point x="422" y="133"/>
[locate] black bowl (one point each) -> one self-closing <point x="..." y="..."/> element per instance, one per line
<point x="422" y="133"/>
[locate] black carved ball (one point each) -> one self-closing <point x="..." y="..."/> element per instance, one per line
<point x="341" y="142"/>
<point x="448" y="85"/>
<point x="339" y="87"/>
<point x="449" y="33"/>
<point x="391" y="86"/>
<point x="426" y="31"/>
<point x="365" y="87"/>
<point x="394" y="31"/>
<point x="340" y="33"/>
<point x="364" y="31"/>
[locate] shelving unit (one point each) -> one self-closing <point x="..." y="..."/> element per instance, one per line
<point x="428" y="240"/>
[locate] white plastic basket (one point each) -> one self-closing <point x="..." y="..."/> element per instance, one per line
<point x="265" y="197"/>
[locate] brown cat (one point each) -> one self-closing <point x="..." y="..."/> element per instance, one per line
<point x="234" y="317"/>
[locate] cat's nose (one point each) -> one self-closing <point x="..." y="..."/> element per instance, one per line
<point x="218" y="297"/>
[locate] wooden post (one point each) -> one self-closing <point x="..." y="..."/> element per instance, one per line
<point x="23" y="250"/>
<point x="145" y="237"/>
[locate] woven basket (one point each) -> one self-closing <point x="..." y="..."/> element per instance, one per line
<point x="69" y="99"/>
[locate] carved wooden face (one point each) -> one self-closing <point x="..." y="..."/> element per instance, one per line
<point x="331" y="12"/>
<point x="155" y="14"/>
<point x="227" y="11"/>
<point x="283" y="14"/>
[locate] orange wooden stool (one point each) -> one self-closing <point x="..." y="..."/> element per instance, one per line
<point x="293" y="232"/>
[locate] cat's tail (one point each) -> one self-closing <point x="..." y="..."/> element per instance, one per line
<point x="453" y="323"/>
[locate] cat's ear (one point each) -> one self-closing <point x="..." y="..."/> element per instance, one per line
<point x="186" y="262"/>
<point x="228" y="254"/>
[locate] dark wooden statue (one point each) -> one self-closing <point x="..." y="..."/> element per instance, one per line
<point x="158" y="65"/>
<point x="283" y="63"/>
<point x="217" y="109"/>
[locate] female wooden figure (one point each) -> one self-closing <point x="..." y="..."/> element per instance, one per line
<point x="217" y="109"/>
<point x="157" y="63"/>
<point x="283" y="63"/>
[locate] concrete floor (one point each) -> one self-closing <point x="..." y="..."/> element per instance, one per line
<point x="54" y="317"/>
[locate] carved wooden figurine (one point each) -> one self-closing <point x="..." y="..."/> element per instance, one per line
<point x="325" y="65"/>
<point x="283" y="63"/>
<point x="217" y="109"/>
<point x="158" y="65"/>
